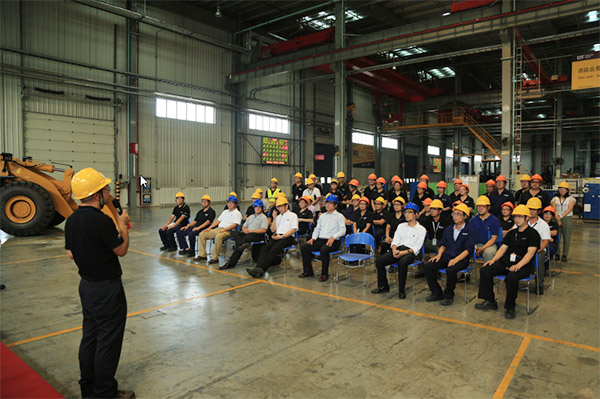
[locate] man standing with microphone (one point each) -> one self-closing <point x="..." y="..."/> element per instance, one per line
<point x="94" y="243"/>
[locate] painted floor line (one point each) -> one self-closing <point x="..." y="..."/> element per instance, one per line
<point x="510" y="373"/>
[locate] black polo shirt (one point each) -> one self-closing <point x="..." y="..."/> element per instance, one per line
<point x="518" y="243"/>
<point x="303" y="226"/>
<point x="368" y="191"/>
<point x="392" y="195"/>
<point x="178" y="211"/>
<point x="363" y="220"/>
<point x="436" y="229"/>
<point x="91" y="236"/>
<point x="518" y="194"/>
<point x="506" y="224"/>
<point x="297" y="191"/>
<point x="379" y="216"/>
<point x="345" y="189"/>
<point x="468" y="202"/>
<point x="542" y="195"/>
<point x="393" y="222"/>
<point x="376" y="194"/>
<point x="455" y="196"/>
<point x="204" y="215"/>
<point x="250" y="210"/>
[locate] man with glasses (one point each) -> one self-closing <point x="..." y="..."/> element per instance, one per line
<point x="454" y="253"/>
<point x="406" y="246"/>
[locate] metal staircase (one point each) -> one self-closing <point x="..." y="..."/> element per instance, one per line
<point x="483" y="135"/>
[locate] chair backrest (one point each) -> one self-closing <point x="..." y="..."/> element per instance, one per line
<point x="360" y="238"/>
<point x="373" y="232"/>
<point x="500" y="238"/>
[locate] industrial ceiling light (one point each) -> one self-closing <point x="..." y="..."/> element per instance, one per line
<point x="445" y="14"/>
<point x="218" y="12"/>
<point x="592" y="16"/>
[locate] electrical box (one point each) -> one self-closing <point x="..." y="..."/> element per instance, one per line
<point x="146" y="191"/>
<point x="591" y="201"/>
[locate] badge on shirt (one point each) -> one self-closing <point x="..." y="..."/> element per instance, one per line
<point x="513" y="257"/>
<point x="434" y="242"/>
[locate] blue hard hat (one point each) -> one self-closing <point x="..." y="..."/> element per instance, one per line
<point x="413" y="206"/>
<point x="331" y="198"/>
<point x="232" y="198"/>
<point x="258" y="203"/>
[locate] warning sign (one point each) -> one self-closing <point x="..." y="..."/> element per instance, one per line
<point x="585" y="73"/>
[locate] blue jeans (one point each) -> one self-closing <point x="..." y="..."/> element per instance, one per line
<point x="191" y="235"/>
<point x="168" y="236"/>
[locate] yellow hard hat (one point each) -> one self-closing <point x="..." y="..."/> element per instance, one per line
<point x="259" y="190"/>
<point x="298" y="175"/>
<point x="274" y="180"/>
<point x="355" y="196"/>
<point x="522" y="210"/>
<point x="281" y="201"/>
<point x="87" y="182"/>
<point x="206" y="197"/>
<point x="256" y="195"/>
<point x="534" y="203"/>
<point x="380" y="200"/>
<point x="436" y="204"/>
<point x="463" y="208"/>
<point x="312" y="176"/>
<point x="280" y="195"/>
<point x="232" y="193"/>
<point x="179" y="194"/>
<point x="483" y="200"/>
<point x="341" y="174"/>
<point x="525" y="177"/>
<point x="309" y="197"/>
<point x="399" y="199"/>
<point x="310" y="181"/>
<point x="334" y="181"/>
<point x="565" y="185"/>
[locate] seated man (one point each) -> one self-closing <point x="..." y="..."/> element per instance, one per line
<point x="305" y="216"/>
<point x="250" y="210"/>
<point x="515" y="259"/>
<point x="535" y="208"/>
<point x="253" y="230"/>
<point x="406" y="245"/>
<point x="203" y="219"/>
<point x="487" y="229"/>
<point x="435" y="224"/>
<point x="220" y="229"/>
<point x="394" y="218"/>
<point x="284" y="229"/>
<point x="331" y="226"/>
<point x="379" y="220"/>
<point x="455" y="251"/>
<point x="177" y="220"/>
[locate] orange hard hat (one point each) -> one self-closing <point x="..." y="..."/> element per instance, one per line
<point x="537" y="177"/>
<point x="442" y="184"/>
<point x="465" y="186"/>
<point x="427" y="201"/>
<point x="422" y="185"/>
<point x="549" y="208"/>
<point x="508" y="204"/>
<point x="353" y="182"/>
<point x="501" y="178"/>
<point x="372" y="176"/>
<point x="424" y="177"/>
<point x="396" y="178"/>
<point x="365" y="199"/>
<point x="490" y="183"/>
<point x="458" y="181"/>
<point x="380" y="180"/>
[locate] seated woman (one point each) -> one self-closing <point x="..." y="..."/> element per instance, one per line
<point x="393" y="220"/>
<point x="506" y="220"/>
<point x="549" y="216"/>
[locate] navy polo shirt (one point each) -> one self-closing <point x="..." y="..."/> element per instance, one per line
<point x="485" y="229"/>
<point x="498" y="199"/>
<point x="465" y="241"/>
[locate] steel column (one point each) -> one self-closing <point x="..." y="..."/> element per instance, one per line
<point x="507" y="36"/>
<point x="339" y="128"/>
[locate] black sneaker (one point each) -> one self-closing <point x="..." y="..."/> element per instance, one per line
<point x="183" y="252"/>
<point x="402" y="295"/>
<point x="191" y="254"/>
<point x="172" y="249"/>
<point x="255" y="272"/>
<point x="486" y="305"/>
<point x="510" y="313"/>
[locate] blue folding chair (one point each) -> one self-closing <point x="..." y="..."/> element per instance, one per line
<point x="317" y="254"/>
<point x="526" y="280"/>
<point x="552" y="262"/>
<point x="413" y="269"/>
<point x="287" y="249"/>
<point x="352" y="260"/>
<point x="467" y="273"/>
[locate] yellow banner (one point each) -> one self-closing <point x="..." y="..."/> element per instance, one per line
<point x="363" y="155"/>
<point x="585" y="74"/>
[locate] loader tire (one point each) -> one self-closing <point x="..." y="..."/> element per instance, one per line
<point x="26" y="208"/>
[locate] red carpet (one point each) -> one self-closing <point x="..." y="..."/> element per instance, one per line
<point x="18" y="380"/>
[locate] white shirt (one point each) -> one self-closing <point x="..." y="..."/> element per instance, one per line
<point x="562" y="208"/>
<point x="330" y="225"/>
<point x="412" y="237"/>
<point x="286" y="222"/>
<point x="227" y="218"/>
<point x="542" y="228"/>
<point x="314" y="193"/>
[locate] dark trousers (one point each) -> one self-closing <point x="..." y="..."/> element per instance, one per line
<point x="190" y="234"/>
<point x="104" y="310"/>
<point x="242" y="241"/>
<point x="388" y="259"/>
<point x="319" y="245"/>
<point x="430" y="248"/>
<point x="486" y="281"/>
<point x="431" y="269"/>
<point x="269" y="254"/>
<point x="379" y="235"/>
<point x="168" y="236"/>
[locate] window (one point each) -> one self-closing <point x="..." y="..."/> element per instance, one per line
<point x="477" y="158"/>
<point x="465" y="159"/>
<point x="449" y="153"/>
<point x="185" y="111"/>
<point x="358" y="137"/>
<point x="387" y="142"/>
<point x="433" y="150"/>
<point x="326" y="19"/>
<point x="279" y="124"/>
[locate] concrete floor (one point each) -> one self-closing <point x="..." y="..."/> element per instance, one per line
<point x="198" y="332"/>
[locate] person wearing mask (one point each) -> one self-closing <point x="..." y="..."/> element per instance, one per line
<point x="445" y="198"/>
<point x="455" y="196"/>
<point x="272" y="191"/>
<point x="305" y="216"/>
<point x="297" y="191"/>
<point x="284" y="229"/>
<point x="405" y="248"/>
<point x="490" y="187"/>
<point x="535" y="208"/>
<point x="395" y="192"/>
<point x="465" y="198"/>
<point x="331" y="227"/>
<point x="178" y="219"/>
<point x="368" y="191"/>
<point x="428" y="191"/>
<point x="203" y="219"/>
<point x="454" y="253"/>
<point x="344" y="189"/>
<point x="500" y="196"/>
<point x="379" y="216"/>
<point x="506" y="221"/>
<point x="435" y="224"/>
<point x="420" y="195"/>
<point x="549" y="216"/>
<point x="392" y="221"/>
<point x="352" y="191"/>
<point x="535" y="191"/>
<point x="220" y="229"/>
<point x="379" y="191"/>
<point x="313" y="192"/>
<point x="487" y="228"/>
<point x="515" y="259"/>
<point x="564" y="205"/>
<point x="252" y="231"/>
<point x="525" y="179"/>
<point x="95" y="245"/>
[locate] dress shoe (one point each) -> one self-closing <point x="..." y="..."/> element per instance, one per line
<point x="255" y="272"/>
<point x="402" y="295"/>
<point x="125" y="395"/>
<point x="510" y="313"/>
<point x="564" y="258"/>
<point x="304" y="274"/>
<point x="324" y="277"/>
<point x="226" y="266"/>
<point x="172" y="249"/>
<point x="164" y="248"/>
<point x="379" y="290"/>
<point x="447" y="301"/>
<point x="183" y="252"/>
<point x="433" y="298"/>
<point x="191" y="254"/>
<point x="557" y="257"/>
<point x="200" y="258"/>
<point x="486" y="305"/>
<point x="213" y="261"/>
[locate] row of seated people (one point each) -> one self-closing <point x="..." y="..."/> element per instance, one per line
<point x="453" y="249"/>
